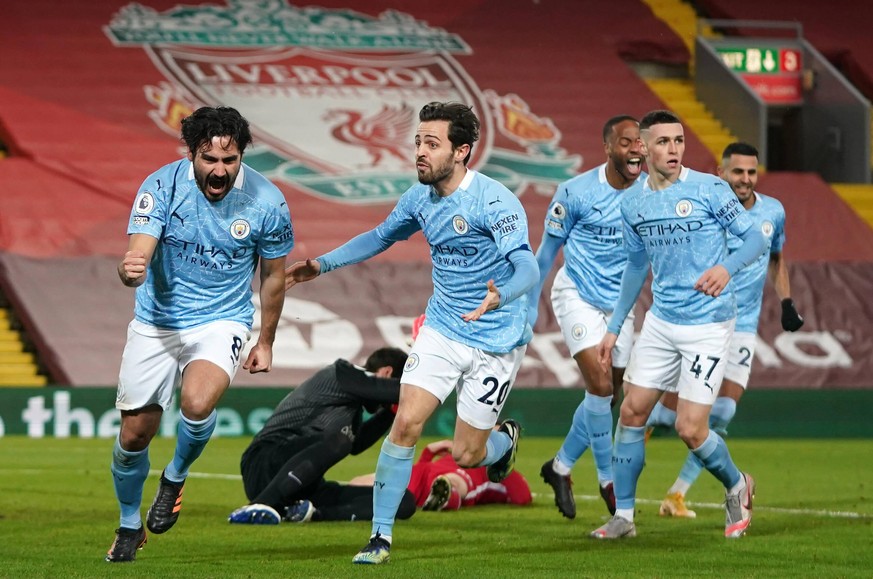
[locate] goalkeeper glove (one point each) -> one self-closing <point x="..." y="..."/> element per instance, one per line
<point x="791" y="320"/>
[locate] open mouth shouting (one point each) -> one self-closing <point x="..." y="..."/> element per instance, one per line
<point x="215" y="187"/>
<point x="634" y="165"/>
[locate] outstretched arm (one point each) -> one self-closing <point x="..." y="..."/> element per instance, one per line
<point x="301" y="271"/>
<point x="356" y="250"/>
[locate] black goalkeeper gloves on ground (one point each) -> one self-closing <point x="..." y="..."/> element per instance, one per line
<point x="791" y="320"/>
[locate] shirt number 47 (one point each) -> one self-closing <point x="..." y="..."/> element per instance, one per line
<point x="697" y="368"/>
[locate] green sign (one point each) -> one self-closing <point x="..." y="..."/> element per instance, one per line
<point x="91" y="413"/>
<point x="751" y="60"/>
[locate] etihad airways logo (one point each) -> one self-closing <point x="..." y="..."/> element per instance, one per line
<point x="452" y="255"/>
<point x="666" y="233"/>
<point x="208" y="256"/>
<point x="332" y="95"/>
<point x="666" y="227"/>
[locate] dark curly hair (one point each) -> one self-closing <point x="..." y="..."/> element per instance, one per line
<point x="202" y="125"/>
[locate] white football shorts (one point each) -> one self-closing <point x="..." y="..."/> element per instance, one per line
<point x="740" y="358"/>
<point x="584" y="325"/>
<point x="154" y="359"/>
<point x="690" y="360"/>
<point x="482" y="379"/>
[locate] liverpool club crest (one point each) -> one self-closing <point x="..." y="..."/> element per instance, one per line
<point x="332" y="95"/>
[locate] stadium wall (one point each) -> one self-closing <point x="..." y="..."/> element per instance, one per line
<point x="543" y="77"/>
<point x="90" y="412"/>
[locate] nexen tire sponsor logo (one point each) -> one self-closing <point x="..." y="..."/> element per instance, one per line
<point x="506" y="225"/>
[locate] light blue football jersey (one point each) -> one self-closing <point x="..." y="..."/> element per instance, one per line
<point x="585" y="215"/>
<point x="683" y="231"/>
<point x="470" y="232"/>
<point x="748" y="284"/>
<point x="207" y="252"/>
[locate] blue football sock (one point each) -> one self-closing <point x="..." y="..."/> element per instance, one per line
<point x="191" y="439"/>
<point x="598" y="418"/>
<point x="495" y="447"/>
<point x="628" y="458"/>
<point x="691" y="469"/>
<point x="392" y="477"/>
<point x="576" y="441"/>
<point x="723" y="410"/>
<point x="129" y="473"/>
<point x="716" y="458"/>
<point x="662" y="416"/>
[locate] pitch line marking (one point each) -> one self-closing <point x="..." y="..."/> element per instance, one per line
<point x="596" y="498"/>
<point x="758" y="508"/>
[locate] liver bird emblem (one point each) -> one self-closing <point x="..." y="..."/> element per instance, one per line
<point x="387" y="132"/>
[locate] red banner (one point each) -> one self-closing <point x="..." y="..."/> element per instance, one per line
<point x="783" y="89"/>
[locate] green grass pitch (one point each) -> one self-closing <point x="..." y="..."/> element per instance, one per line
<point x="813" y="517"/>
